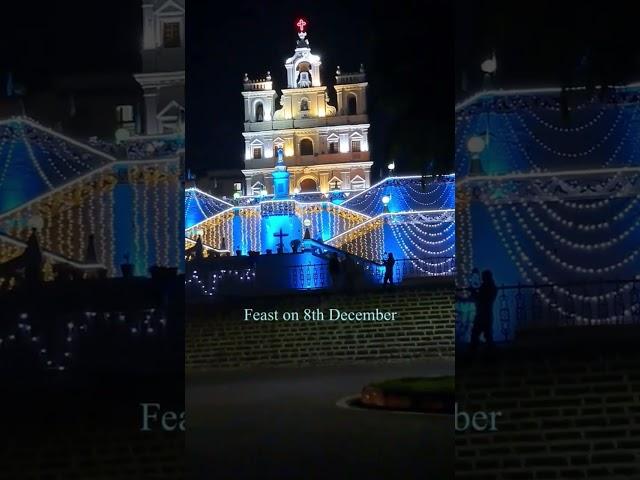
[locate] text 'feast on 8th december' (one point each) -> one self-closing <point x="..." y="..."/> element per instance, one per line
<point x="318" y="315"/>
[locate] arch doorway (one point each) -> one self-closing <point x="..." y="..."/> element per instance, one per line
<point x="352" y="105"/>
<point x="306" y="147"/>
<point x="308" y="185"/>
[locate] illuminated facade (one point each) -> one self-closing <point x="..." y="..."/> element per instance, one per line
<point x="129" y="199"/>
<point x="125" y="194"/>
<point x="547" y="198"/>
<point x="325" y="147"/>
<point x="411" y="217"/>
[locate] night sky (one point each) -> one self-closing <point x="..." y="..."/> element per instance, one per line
<point x="546" y="43"/>
<point x="415" y="53"/>
<point x="408" y="56"/>
<point x="38" y="39"/>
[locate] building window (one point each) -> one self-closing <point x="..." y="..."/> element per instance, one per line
<point x="306" y="147"/>
<point x="352" y="105"/>
<point x="304" y="75"/>
<point x="237" y="187"/>
<point x="304" y="105"/>
<point x="124" y="113"/>
<point x="357" y="183"/>
<point x="333" y="146"/>
<point x="257" y="152"/>
<point x="335" y="183"/>
<point x="355" y="145"/>
<point x="257" y="188"/>
<point x="259" y="112"/>
<point x="171" y="34"/>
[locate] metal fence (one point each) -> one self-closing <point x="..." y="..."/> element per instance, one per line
<point x="522" y="307"/>
<point x="211" y="280"/>
<point x="406" y="268"/>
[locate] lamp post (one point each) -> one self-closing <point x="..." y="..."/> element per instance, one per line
<point x="391" y="167"/>
<point x="489" y="67"/>
<point x="385" y="202"/>
<point x="307" y="232"/>
<point x="475" y="146"/>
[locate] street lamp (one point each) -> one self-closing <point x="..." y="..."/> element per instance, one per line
<point x="391" y="167"/>
<point x="475" y="146"/>
<point x="36" y="222"/>
<point x="307" y="233"/>
<point x="385" y="201"/>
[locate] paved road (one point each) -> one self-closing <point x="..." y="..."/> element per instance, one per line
<point x="284" y="424"/>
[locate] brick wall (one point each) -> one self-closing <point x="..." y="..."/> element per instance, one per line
<point x="89" y="428"/>
<point x="572" y="414"/>
<point x="218" y="337"/>
<point x="94" y="454"/>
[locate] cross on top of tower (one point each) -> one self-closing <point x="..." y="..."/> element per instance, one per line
<point x="301" y="24"/>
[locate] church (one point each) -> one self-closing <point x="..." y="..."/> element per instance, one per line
<point x="309" y="198"/>
<point x="325" y="146"/>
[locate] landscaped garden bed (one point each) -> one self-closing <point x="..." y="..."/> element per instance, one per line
<point x="417" y="394"/>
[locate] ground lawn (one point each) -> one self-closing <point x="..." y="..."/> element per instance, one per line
<point x="418" y="385"/>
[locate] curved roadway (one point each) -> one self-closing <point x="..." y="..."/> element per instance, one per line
<point x="283" y="423"/>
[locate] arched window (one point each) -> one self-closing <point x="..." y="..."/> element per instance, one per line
<point x="259" y="112"/>
<point x="352" y="104"/>
<point x="306" y="147"/>
<point x="308" y="185"/>
<point x="304" y="105"/>
<point x="304" y="75"/>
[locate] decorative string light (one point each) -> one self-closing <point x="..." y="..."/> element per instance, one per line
<point x="516" y="258"/>
<point x="155" y="322"/>
<point x="575" y="245"/>
<point x="155" y="214"/>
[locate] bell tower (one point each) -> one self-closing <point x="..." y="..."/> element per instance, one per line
<point x="318" y="148"/>
<point x="303" y="69"/>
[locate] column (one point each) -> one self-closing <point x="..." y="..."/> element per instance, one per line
<point x="345" y="180"/>
<point x="367" y="177"/>
<point x="268" y="183"/>
<point x="324" y="181"/>
<point x="151" y="110"/>
<point x="148" y="40"/>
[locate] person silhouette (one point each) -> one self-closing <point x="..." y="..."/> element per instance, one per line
<point x="388" y="269"/>
<point x="199" y="249"/>
<point x="484" y="297"/>
<point x="349" y="272"/>
<point x="334" y="269"/>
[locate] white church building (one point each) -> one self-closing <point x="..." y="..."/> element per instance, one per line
<point x="325" y="147"/>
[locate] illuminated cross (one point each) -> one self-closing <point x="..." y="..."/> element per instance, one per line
<point x="281" y="244"/>
<point x="301" y="24"/>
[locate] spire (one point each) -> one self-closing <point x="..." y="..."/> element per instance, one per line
<point x="303" y="68"/>
<point x="302" y="35"/>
